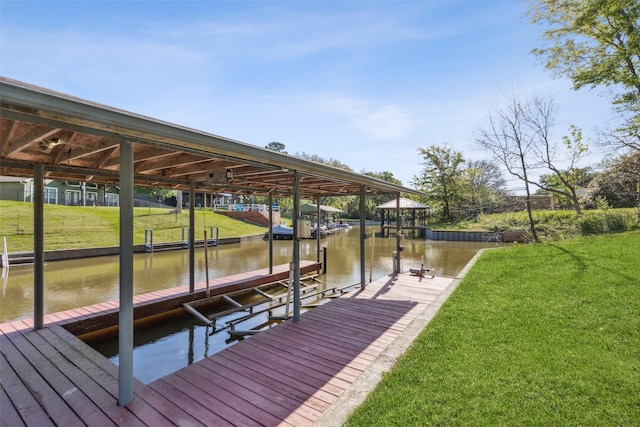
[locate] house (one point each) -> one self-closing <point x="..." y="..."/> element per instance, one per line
<point x="59" y="192"/>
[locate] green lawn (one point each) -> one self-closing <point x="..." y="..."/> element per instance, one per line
<point x="542" y="335"/>
<point x="69" y="227"/>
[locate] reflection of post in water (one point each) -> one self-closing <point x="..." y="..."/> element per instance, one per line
<point x="206" y="341"/>
<point x="5" y="279"/>
<point x="5" y="266"/>
<point x="148" y="263"/>
<point x="191" y="339"/>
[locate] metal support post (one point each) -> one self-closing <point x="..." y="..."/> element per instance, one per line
<point x="125" y="330"/>
<point x="38" y="247"/>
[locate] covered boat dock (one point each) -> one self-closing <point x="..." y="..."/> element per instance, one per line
<point x="50" y="135"/>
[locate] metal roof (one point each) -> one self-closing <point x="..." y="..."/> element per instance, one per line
<point x="324" y="208"/>
<point x="404" y="204"/>
<point x="80" y="140"/>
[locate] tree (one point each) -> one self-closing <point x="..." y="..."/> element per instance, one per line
<point x="508" y="139"/>
<point x="594" y="43"/>
<point x="548" y="153"/>
<point x="619" y="182"/>
<point x="482" y="187"/>
<point x="374" y="200"/>
<point x="628" y="139"/>
<point x="441" y="175"/>
<point x="329" y="162"/>
<point x="521" y="137"/>
<point x="158" y="195"/>
<point x="276" y="146"/>
<point x="581" y="176"/>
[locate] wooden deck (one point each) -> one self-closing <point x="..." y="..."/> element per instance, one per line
<point x="288" y="375"/>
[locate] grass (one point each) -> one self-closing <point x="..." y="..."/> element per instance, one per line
<point x="555" y="225"/>
<point x="68" y="227"/>
<point x="543" y="334"/>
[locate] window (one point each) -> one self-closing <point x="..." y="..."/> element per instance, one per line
<point x="111" y="199"/>
<point x="72" y="197"/>
<point x="51" y="195"/>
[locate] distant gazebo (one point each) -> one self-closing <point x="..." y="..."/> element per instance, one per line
<point x="413" y="216"/>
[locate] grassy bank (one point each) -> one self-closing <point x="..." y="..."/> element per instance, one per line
<point x="555" y="225"/>
<point x="534" y="335"/>
<point x="68" y="227"/>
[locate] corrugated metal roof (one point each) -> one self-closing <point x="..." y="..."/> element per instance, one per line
<point x="312" y="208"/>
<point x="404" y="204"/>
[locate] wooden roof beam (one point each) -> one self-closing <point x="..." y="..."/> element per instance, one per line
<point x="36" y="135"/>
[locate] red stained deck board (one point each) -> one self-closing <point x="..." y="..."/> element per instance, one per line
<point x="207" y="402"/>
<point x="376" y="341"/>
<point x="316" y="351"/>
<point x="333" y="371"/>
<point x="267" y="395"/>
<point x="22" y="399"/>
<point x="332" y="385"/>
<point x="157" y="410"/>
<point x="54" y="405"/>
<point x="195" y="376"/>
<point x="272" y="365"/>
<point x="190" y="404"/>
<point x="81" y="383"/>
<point x="357" y="332"/>
<point x="89" y="378"/>
<point x="360" y="348"/>
<point x="9" y="414"/>
<point x="376" y="321"/>
<point x="283" y="383"/>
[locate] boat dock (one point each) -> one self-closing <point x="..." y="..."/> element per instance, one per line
<point x="294" y="374"/>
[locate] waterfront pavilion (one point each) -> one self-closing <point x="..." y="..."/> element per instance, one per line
<point x="46" y="134"/>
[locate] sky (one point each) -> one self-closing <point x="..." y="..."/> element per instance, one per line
<point x="366" y="83"/>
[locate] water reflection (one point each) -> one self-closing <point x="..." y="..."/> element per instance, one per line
<point x="81" y="282"/>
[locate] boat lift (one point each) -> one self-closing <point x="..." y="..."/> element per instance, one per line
<point x="309" y="285"/>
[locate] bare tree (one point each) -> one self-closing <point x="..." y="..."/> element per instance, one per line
<point x="526" y="141"/>
<point x="506" y="136"/>
<point x="627" y="140"/>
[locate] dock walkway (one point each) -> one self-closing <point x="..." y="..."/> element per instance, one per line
<point x="294" y="374"/>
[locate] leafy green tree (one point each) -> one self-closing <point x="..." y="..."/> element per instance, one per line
<point x="619" y="182"/>
<point x="594" y="43"/>
<point x="329" y="162"/>
<point x="581" y="176"/>
<point x="276" y="146"/>
<point x="574" y="151"/>
<point x="374" y="200"/>
<point x="157" y="194"/>
<point x="482" y="187"/>
<point x="441" y="176"/>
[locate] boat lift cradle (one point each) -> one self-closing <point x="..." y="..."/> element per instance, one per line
<point x="210" y="320"/>
<point x="308" y="290"/>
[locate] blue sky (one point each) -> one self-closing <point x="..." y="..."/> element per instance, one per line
<point x="362" y="82"/>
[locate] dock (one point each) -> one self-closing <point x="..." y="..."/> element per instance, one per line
<point x="294" y="374"/>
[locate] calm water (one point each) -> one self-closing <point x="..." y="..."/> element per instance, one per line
<point x="181" y="341"/>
